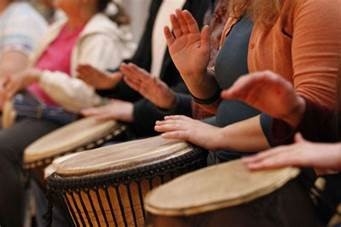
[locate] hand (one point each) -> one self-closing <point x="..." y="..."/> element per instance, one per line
<point x="19" y="81"/>
<point x="269" y="93"/>
<point x="152" y="88"/>
<point x="97" y="78"/>
<point x="115" y="110"/>
<point x="3" y="95"/>
<point x="188" y="129"/>
<point x="300" y="154"/>
<point x="188" y="47"/>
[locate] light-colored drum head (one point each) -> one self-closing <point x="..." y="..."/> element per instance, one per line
<point x="216" y="187"/>
<point x="122" y="157"/>
<point x="68" y="138"/>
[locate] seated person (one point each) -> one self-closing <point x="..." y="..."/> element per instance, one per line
<point x="129" y="106"/>
<point x="280" y="99"/>
<point x="86" y="36"/>
<point x="21" y="28"/>
<point x="314" y="84"/>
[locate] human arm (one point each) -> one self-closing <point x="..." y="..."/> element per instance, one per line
<point x="269" y="93"/>
<point x="13" y="61"/>
<point x="70" y="92"/>
<point x="150" y="87"/>
<point x="301" y="154"/>
<point x="189" y="49"/>
<point x="98" y="79"/>
<point x="242" y="136"/>
<point x="114" y="110"/>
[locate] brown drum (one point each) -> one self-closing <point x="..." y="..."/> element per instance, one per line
<point x="83" y="134"/>
<point x="106" y="186"/>
<point x="229" y="195"/>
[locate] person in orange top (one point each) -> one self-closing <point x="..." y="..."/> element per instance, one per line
<point x="286" y="38"/>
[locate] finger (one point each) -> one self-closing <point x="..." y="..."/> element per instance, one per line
<point x="132" y="83"/>
<point x="205" y="37"/>
<point x="191" y="22"/>
<point x="127" y="71"/>
<point x="105" y="117"/>
<point x="182" y="22"/>
<point x="176" y="26"/>
<point x="177" y="117"/>
<point x="90" y="111"/>
<point x="264" y="165"/>
<point x="299" y="138"/>
<point x="262" y="155"/>
<point x="178" y="135"/>
<point x="10" y="89"/>
<point x="169" y="36"/>
<point x="140" y="71"/>
<point x="166" y="127"/>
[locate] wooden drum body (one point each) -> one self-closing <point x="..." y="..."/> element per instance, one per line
<point x="229" y="195"/>
<point x="83" y="134"/>
<point x="106" y="186"/>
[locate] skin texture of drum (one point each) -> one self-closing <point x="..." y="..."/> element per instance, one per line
<point x="229" y="195"/>
<point x="83" y="134"/>
<point x="289" y="206"/>
<point x="106" y="186"/>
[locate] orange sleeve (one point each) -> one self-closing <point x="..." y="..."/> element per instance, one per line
<point x="316" y="50"/>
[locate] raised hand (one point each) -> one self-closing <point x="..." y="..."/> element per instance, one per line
<point x="152" y="88"/>
<point x="97" y="78"/>
<point x="193" y="131"/>
<point x="301" y="154"/>
<point x="188" y="47"/>
<point x="269" y="93"/>
<point x="115" y="110"/>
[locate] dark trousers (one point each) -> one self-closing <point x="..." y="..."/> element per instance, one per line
<point x="13" y="141"/>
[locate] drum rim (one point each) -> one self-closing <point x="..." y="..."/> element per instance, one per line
<point x="194" y="158"/>
<point x="33" y="162"/>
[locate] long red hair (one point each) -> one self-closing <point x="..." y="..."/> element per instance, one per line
<point x="261" y="11"/>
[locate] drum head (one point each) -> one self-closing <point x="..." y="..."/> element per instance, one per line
<point x="122" y="157"/>
<point x="68" y="138"/>
<point x="221" y="186"/>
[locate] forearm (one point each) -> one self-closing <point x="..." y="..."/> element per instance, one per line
<point x="71" y="93"/>
<point x="334" y="155"/>
<point x="202" y="87"/>
<point x="243" y="136"/>
<point x="12" y="62"/>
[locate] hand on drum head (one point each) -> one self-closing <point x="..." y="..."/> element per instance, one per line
<point x="188" y="47"/>
<point x="150" y="87"/>
<point x="97" y="78"/>
<point x="194" y="131"/>
<point x="115" y="110"/>
<point x="269" y="93"/>
<point x="301" y="154"/>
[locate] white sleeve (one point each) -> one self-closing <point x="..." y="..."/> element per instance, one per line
<point x="73" y="94"/>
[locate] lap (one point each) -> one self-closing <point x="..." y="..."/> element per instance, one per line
<point x="15" y="139"/>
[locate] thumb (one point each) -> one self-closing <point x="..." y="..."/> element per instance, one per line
<point x="299" y="138"/>
<point x="205" y="37"/>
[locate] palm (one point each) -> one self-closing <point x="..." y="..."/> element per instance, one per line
<point x="148" y="86"/>
<point x="164" y="97"/>
<point x="188" y="55"/>
<point x="265" y="91"/>
<point x="188" y="47"/>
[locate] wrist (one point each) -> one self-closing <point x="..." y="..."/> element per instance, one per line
<point x="34" y="75"/>
<point x="170" y="103"/>
<point x="296" y="113"/>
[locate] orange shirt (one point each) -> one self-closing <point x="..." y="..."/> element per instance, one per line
<point x="303" y="46"/>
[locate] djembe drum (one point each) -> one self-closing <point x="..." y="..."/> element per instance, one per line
<point x="106" y="186"/>
<point x="229" y="195"/>
<point x="83" y="134"/>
